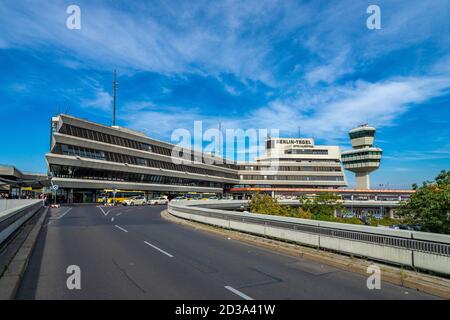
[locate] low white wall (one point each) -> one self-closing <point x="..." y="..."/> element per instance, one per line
<point x="374" y="251"/>
<point x="14" y="203"/>
<point x="433" y="262"/>
<point x="30" y="207"/>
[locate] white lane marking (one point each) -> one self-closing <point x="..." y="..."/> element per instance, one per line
<point x="240" y="294"/>
<point x="119" y="227"/>
<point x="112" y="219"/>
<point x="59" y="217"/>
<point x="105" y="213"/>
<point x="113" y="209"/>
<point x="160" y="250"/>
<point x="62" y="215"/>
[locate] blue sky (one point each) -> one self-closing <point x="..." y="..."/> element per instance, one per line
<point x="248" y="64"/>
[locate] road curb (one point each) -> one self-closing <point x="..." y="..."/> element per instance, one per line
<point x="409" y="279"/>
<point x="10" y="280"/>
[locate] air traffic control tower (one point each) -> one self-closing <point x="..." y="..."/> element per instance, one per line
<point x="363" y="158"/>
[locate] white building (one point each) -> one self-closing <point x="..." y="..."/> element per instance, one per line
<point x="295" y="163"/>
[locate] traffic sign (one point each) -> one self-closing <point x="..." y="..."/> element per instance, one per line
<point x="55" y="187"/>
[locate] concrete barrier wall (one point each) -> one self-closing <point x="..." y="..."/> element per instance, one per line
<point x="291" y="235"/>
<point x="400" y="247"/>
<point x="426" y="261"/>
<point x="14" y="203"/>
<point x="13" y="219"/>
<point x="374" y="251"/>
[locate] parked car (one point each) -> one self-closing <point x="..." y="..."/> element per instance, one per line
<point x="348" y="215"/>
<point x="160" y="200"/>
<point x="377" y="216"/>
<point x="134" y="201"/>
<point x="179" y="199"/>
<point x="406" y="227"/>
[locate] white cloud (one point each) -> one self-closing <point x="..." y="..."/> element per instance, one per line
<point x="329" y="72"/>
<point x="102" y="100"/>
<point x="330" y="117"/>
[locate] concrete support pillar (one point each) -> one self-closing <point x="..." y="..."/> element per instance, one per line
<point x="335" y="213"/>
<point x="391" y="213"/>
<point x="362" y="180"/>
<point x="70" y="195"/>
<point x="273" y="194"/>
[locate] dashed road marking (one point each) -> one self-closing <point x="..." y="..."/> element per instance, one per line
<point x="159" y="249"/>
<point x="59" y="217"/>
<point x="119" y="227"/>
<point x="237" y="292"/>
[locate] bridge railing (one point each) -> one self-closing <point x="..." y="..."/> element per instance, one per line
<point x="421" y="250"/>
<point x="15" y="214"/>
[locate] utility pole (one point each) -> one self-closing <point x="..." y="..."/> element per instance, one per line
<point x="115" y="94"/>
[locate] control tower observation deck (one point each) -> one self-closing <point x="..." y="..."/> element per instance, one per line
<point x="364" y="157"/>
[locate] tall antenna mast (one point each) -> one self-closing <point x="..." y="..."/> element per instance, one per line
<point x="115" y="94"/>
<point x="220" y="140"/>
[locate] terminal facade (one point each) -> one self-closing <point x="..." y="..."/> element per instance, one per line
<point x="87" y="158"/>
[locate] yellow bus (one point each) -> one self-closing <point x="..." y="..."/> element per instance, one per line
<point x="120" y="195"/>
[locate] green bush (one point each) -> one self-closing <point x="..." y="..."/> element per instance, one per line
<point x="325" y="204"/>
<point x="429" y="206"/>
<point x="384" y="222"/>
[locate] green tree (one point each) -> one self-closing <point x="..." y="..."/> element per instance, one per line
<point x="324" y="205"/>
<point x="429" y="205"/>
<point x="265" y="204"/>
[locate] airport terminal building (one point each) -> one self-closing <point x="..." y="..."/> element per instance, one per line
<point x="87" y="158"/>
<point x="294" y="163"/>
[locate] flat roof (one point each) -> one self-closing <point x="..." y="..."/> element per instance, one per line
<point x="11" y="174"/>
<point x="368" y="191"/>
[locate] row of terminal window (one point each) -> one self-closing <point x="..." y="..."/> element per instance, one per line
<point x="297" y="178"/>
<point x="362" y="161"/>
<point x="365" y="153"/>
<point x="307" y="151"/>
<point x="285" y="186"/>
<point x="96" y="174"/>
<point x="132" y="144"/>
<point x="290" y="168"/>
<point x="362" y="133"/>
<point x="123" y="158"/>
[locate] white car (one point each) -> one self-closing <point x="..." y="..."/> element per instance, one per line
<point x="134" y="201"/>
<point x="160" y="200"/>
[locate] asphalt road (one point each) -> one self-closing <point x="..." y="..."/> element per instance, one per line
<point x="132" y="253"/>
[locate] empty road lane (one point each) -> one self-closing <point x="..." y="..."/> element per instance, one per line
<point x="132" y="253"/>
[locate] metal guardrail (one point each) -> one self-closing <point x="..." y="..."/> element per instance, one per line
<point x="14" y="218"/>
<point x="417" y="243"/>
